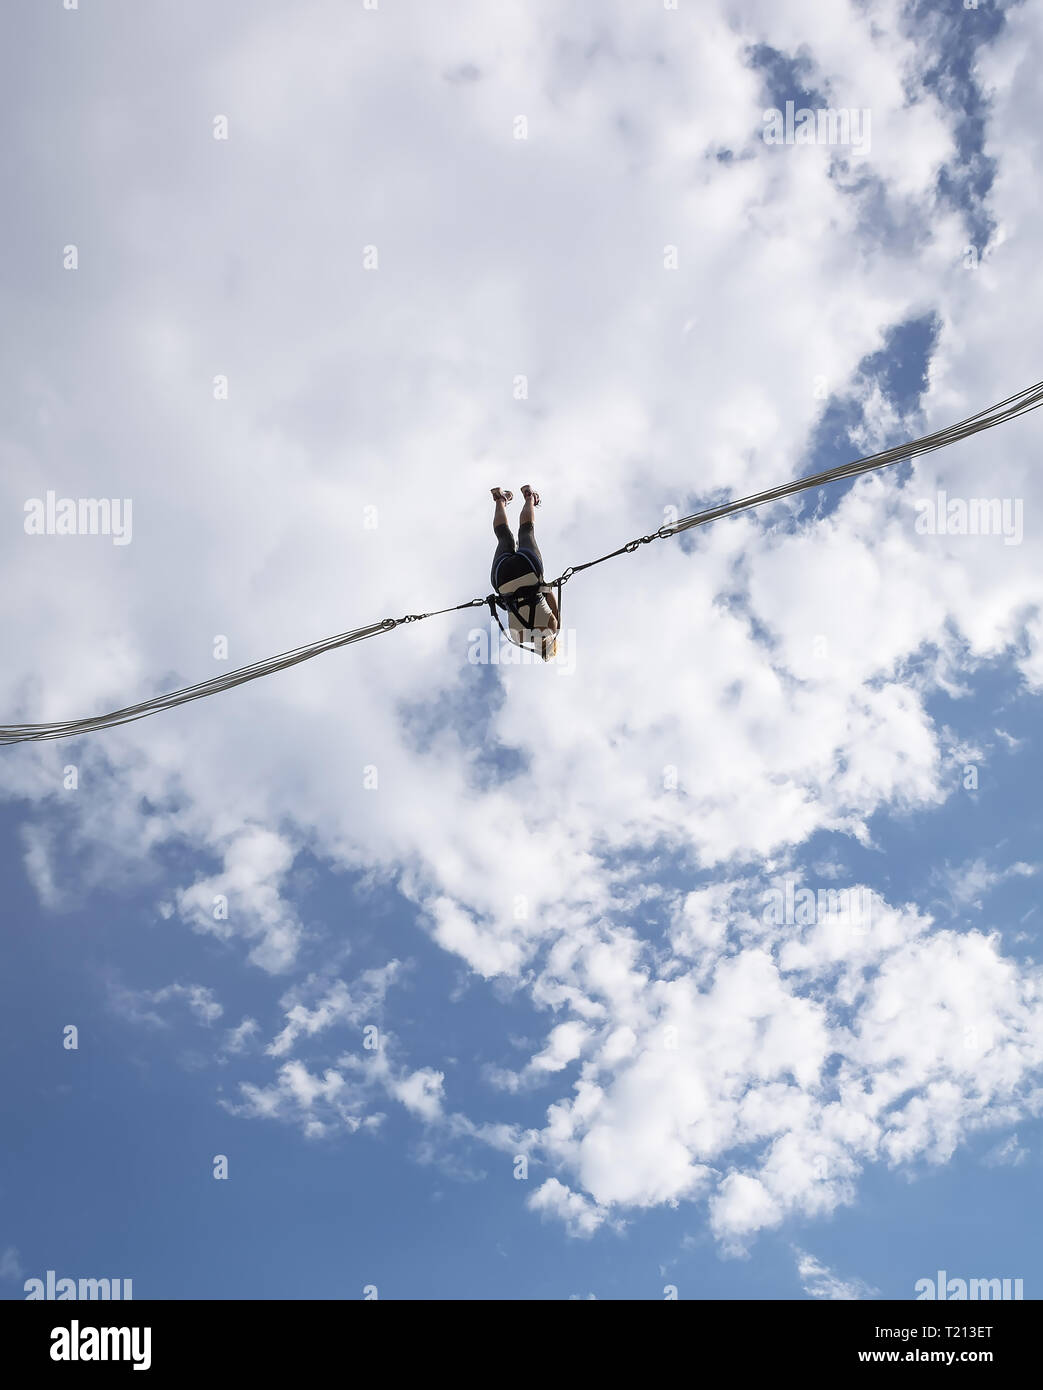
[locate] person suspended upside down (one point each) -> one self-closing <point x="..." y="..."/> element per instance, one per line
<point x="517" y="577"/>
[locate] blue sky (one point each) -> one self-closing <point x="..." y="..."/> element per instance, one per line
<point x="115" y="1142"/>
<point x="544" y="888"/>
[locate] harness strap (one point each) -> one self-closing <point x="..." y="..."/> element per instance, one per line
<point x="496" y="601"/>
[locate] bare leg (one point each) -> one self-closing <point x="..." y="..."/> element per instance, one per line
<point x="500" y="515"/>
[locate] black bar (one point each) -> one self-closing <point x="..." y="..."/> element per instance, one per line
<point x="238" y="1338"/>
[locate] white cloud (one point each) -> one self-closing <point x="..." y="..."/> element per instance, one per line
<point x="580" y="1216"/>
<point x="967" y="884"/>
<point x="244" y="899"/>
<point x="318" y="1104"/>
<point x="565" y="1043"/>
<point x="741" y="1207"/>
<point x="356" y="1005"/>
<point x="137" y="1005"/>
<point x="199" y="999"/>
<point x="420" y="1092"/>
<point x="40" y="867"/>
<point x="347" y="1094"/>
<point x="237" y="1039"/>
<point x="820" y="1282"/>
<point x="1008" y="1154"/>
<point x="1012" y="743"/>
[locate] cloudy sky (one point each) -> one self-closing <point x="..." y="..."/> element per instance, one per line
<point x="490" y="980"/>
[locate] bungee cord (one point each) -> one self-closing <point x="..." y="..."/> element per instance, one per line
<point x="1019" y="404"/>
<point x="26" y="733"/>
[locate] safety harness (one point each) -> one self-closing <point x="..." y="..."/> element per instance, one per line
<point x="526" y="596"/>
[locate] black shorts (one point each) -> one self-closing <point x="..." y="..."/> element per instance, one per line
<point x="526" y="547"/>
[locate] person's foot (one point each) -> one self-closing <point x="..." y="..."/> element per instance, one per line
<point x="500" y="496"/>
<point x="530" y="496"/>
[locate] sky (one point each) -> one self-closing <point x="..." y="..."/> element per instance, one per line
<point x="701" y="962"/>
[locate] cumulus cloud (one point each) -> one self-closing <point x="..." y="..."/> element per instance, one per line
<point x="420" y="1092"/>
<point x="565" y="1043"/>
